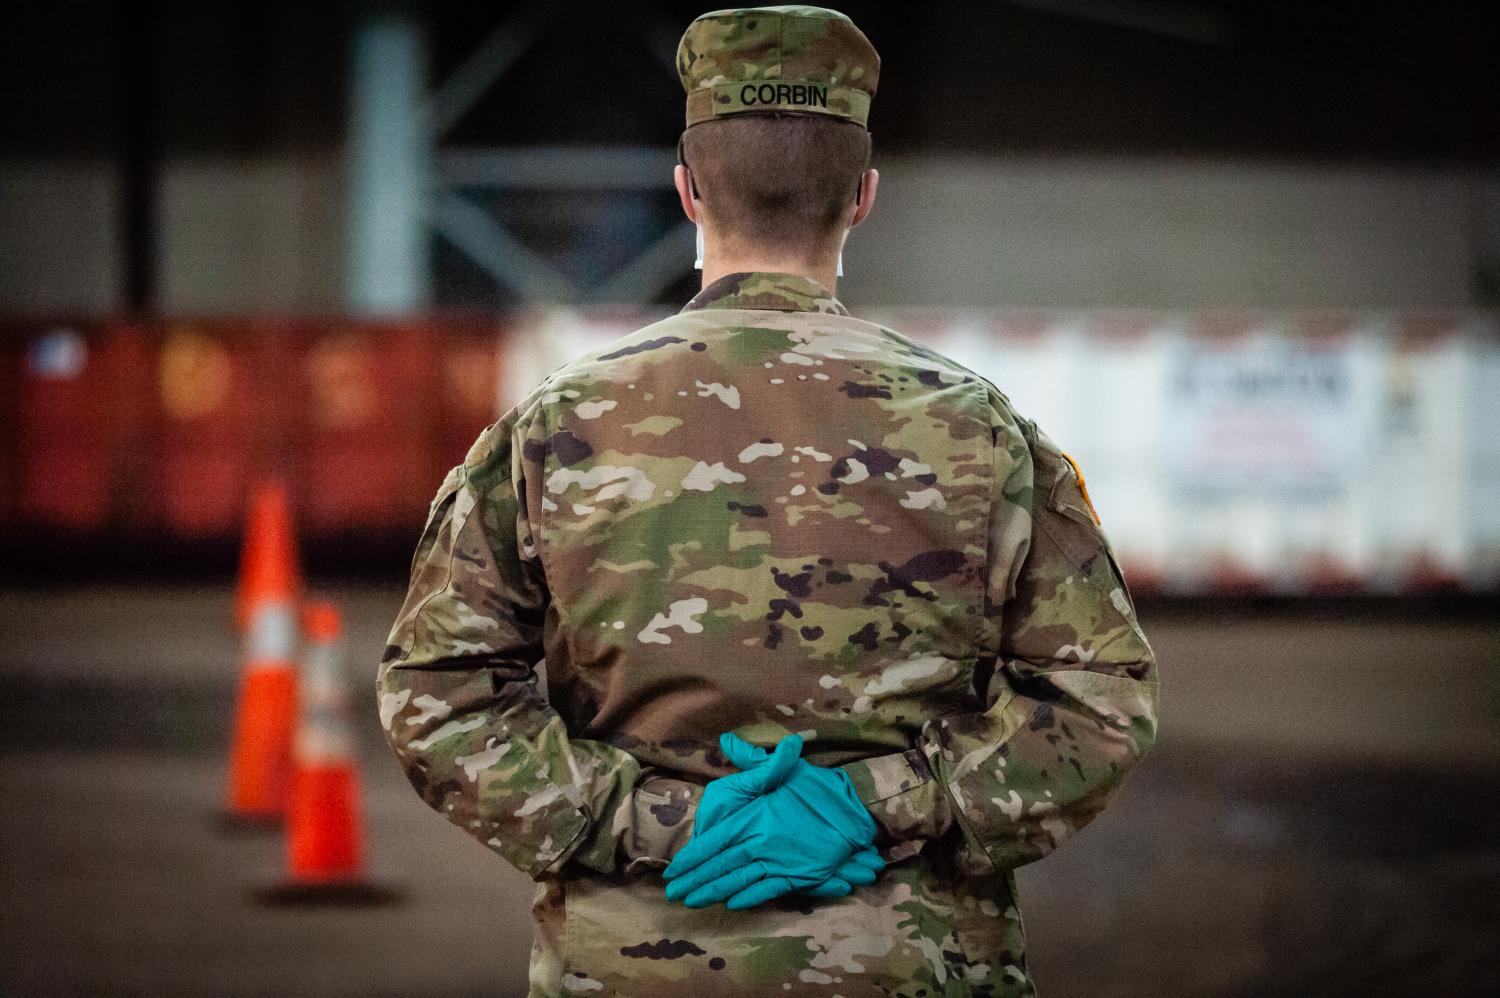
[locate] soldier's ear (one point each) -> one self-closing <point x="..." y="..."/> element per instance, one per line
<point x="864" y="196"/>
<point x="687" y="192"/>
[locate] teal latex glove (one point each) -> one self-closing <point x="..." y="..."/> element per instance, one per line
<point x="794" y="837"/>
<point x="761" y="773"/>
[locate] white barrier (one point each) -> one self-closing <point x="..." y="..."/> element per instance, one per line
<point x="1278" y="452"/>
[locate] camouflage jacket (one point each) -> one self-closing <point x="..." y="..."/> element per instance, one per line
<point x="765" y="515"/>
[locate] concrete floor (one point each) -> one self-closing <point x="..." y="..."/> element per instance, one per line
<point x="118" y="880"/>
<point x="1321" y="816"/>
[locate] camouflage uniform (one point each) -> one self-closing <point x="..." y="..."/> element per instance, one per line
<point x="765" y="515"/>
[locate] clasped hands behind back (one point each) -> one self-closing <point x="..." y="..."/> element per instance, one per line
<point x="779" y="825"/>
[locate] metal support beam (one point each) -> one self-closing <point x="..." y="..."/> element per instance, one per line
<point x="483" y="238"/>
<point x="487" y="63"/>
<point x="555" y="168"/>
<point x="390" y="149"/>
<point x="501" y="255"/>
<point x="140" y="155"/>
<point x="656" y="267"/>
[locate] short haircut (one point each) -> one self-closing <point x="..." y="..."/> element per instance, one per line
<point x="779" y="181"/>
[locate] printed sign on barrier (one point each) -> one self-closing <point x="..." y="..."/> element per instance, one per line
<point x="1262" y="418"/>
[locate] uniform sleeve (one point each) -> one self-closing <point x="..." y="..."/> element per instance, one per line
<point x="457" y="685"/>
<point x="1069" y="702"/>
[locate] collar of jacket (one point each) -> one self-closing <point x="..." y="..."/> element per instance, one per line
<point x="767" y="289"/>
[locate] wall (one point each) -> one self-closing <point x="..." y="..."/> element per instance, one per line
<point x="236" y="236"/>
<point x="265" y="234"/>
<point x="1169" y="234"/>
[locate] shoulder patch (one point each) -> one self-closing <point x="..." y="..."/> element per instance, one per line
<point x="1082" y="486"/>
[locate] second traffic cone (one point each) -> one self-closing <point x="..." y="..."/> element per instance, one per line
<point x="260" y="759"/>
<point x="325" y="850"/>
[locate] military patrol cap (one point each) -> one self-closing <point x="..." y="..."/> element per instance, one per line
<point x="788" y="60"/>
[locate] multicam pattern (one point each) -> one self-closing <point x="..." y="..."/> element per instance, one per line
<point x="765" y="515"/>
<point x="814" y="61"/>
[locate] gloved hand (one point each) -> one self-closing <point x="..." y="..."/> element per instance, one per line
<point x="795" y="836"/>
<point x="761" y="773"/>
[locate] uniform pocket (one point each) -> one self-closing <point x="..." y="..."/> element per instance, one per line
<point x="662" y="812"/>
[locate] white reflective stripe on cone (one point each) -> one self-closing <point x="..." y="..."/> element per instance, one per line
<point x="272" y="635"/>
<point x="323" y="732"/>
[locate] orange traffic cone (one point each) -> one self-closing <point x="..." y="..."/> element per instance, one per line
<point x="324" y="832"/>
<point x="268" y="559"/>
<point x="260" y="758"/>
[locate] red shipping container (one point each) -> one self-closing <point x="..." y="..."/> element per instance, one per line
<point x="468" y="393"/>
<point x="208" y="411"/>
<point x="73" y="383"/>
<point x="365" y="427"/>
<point x="12" y="342"/>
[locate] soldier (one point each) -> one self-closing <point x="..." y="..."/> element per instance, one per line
<point x="766" y="517"/>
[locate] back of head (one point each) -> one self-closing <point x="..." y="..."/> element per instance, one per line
<point x="777" y="182"/>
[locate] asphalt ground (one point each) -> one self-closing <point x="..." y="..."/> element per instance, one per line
<point x="1320" y="817"/>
